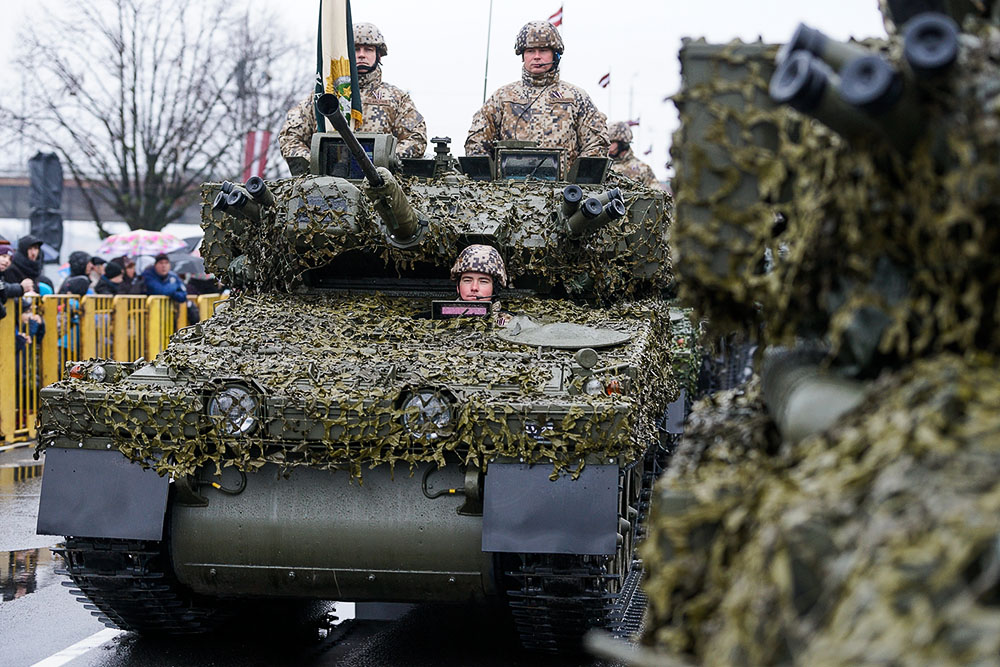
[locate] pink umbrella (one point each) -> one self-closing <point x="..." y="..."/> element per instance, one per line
<point x="139" y="242"/>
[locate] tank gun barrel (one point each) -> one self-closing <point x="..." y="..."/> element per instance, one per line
<point x="328" y="105"/>
<point x="802" y="397"/>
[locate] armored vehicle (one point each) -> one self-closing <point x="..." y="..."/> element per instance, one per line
<point x="332" y="432"/>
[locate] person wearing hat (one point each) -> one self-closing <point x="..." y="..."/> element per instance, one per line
<point x="131" y="282"/>
<point x="625" y="161"/>
<point x="96" y="270"/>
<point x="479" y="274"/>
<point x="78" y="281"/>
<point x="387" y="109"/>
<point x="26" y="261"/>
<point x="160" y="280"/>
<point x="111" y="280"/>
<point x="540" y="107"/>
<point x="10" y="290"/>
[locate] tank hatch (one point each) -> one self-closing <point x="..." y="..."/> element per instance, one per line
<point x="560" y="335"/>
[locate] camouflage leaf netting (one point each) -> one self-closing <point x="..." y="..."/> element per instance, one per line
<point x="628" y="259"/>
<point x="888" y="255"/>
<point x="877" y="542"/>
<point x="331" y="370"/>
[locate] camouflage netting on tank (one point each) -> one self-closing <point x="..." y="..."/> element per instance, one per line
<point x="331" y="370"/>
<point x="877" y="542"/>
<point x="904" y="247"/>
<point x="627" y="259"/>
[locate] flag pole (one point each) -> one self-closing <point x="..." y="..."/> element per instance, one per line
<point x="489" y="30"/>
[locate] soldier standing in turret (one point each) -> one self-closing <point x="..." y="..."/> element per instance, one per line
<point x="540" y="107"/>
<point x="625" y="161"/>
<point x="386" y="108"/>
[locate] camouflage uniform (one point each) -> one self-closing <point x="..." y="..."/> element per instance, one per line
<point x="386" y="109"/>
<point x="540" y="108"/>
<point x="626" y="163"/>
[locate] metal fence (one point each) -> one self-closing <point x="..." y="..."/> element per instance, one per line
<point x="40" y="334"/>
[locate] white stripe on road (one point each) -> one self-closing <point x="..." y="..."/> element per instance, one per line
<point x="79" y="648"/>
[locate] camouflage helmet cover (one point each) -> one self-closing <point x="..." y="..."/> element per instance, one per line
<point x="370" y="35"/>
<point x="538" y="35"/>
<point x="480" y="259"/>
<point x="620" y="131"/>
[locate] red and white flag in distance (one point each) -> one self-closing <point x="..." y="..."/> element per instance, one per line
<point x="556" y="19"/>
<point x="255" y="155"/>
<point x="633" y="123"/>
<point x="648" y="150"/>
<point x="605" y="80"/>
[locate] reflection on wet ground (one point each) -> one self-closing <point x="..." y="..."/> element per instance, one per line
<point x="24" y="572"/>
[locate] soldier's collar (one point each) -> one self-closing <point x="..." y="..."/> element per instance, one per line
<point x="373" y="78"/>
<point x="539" y="80"/>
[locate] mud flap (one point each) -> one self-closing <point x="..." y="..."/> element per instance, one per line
<point x="525" y="512"/>
<point x="93" y="493"/>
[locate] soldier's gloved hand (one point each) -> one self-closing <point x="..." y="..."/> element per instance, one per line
<point x="298" y="165"/>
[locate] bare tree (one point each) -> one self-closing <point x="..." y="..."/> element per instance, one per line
<point x="144" y="100"/>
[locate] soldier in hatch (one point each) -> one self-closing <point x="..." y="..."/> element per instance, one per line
<point x="540" y="107"/>
<point x="479" y="273"/>
<point x="386" y="108"/>
<point x="625" y="161"/>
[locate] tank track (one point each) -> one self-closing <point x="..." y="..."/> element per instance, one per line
<point x="128" y="585"/>
<point x="556" y="598"/>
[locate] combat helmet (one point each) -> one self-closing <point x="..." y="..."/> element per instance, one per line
<point x="369" y="34"/>
<point x="480" y="259"/>
<point x="538" y="35"/>
<point x="620" y="132"/>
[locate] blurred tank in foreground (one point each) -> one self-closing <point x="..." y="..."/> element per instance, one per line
<point x="838" y="204"/>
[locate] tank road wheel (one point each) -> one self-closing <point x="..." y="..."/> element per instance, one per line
<point x="556" y="598"/>
<point x="130" y="585"/>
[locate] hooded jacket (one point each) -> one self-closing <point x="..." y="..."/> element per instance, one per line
<point x="21" y="267"/>
<point x="78" y="282"/>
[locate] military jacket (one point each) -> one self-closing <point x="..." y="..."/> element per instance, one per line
<point x="627" y="164"/>
<point x="540" y="108"/>
<point x="386" y="109"/>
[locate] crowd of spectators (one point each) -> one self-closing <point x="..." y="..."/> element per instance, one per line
<point x="21" y="276"/>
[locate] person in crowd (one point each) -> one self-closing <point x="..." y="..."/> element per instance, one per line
<point x="131" y="282"/>
<point x="160" y="280"/>
<point x="96" y="270"/>
<point x="111" y="279"/>
<point x="10" y="290"/>
<point x="540" y="107"/>
<point x="78" y="281"/>
<point x="387" y="109"/>
<point x="26" y="261"/>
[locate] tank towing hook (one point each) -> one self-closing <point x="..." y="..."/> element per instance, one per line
<point x="402" y="227"/>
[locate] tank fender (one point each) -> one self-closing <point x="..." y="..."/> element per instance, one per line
<point x="98" y="493"/>
<point x="526" y="512"/>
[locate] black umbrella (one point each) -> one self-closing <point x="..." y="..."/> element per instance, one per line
<point x="183" y="262"/>
<point x="192" y="243"/>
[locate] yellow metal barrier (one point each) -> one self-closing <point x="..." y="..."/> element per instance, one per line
<point x="40" y="334"/>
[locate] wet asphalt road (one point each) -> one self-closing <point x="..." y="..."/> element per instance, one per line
<point x="42" y="623"/>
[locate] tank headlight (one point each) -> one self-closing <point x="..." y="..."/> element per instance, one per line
<point x="237" y="407"/>
<point x="427" y="414"/>
<point x="97" y="374"/>
<point x="593" y="386"/>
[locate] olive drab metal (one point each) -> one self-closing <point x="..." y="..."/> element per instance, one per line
<point x="835" y="203"/>
<point x="338" y="376"/>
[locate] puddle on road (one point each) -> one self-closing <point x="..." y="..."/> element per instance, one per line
<point x="24" y="572"/>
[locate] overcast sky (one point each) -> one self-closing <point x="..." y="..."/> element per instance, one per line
<point x="437" y="48"/>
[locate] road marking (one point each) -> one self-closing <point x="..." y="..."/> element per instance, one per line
<point x="79" y="648"/>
